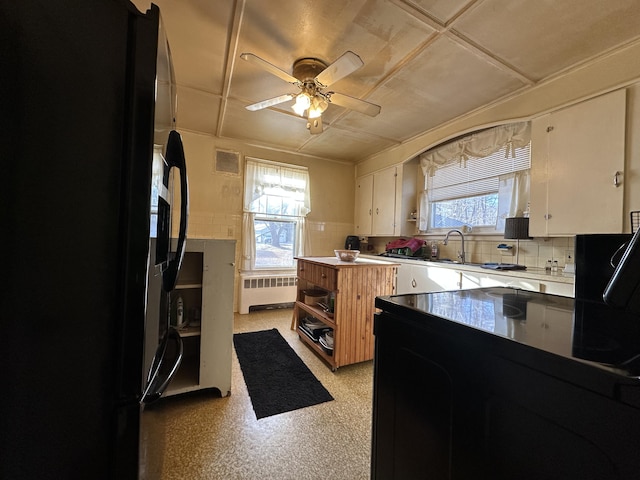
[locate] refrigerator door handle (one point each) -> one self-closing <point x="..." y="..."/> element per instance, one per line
<point x="175" y="158"/>
<point x="158" y="381"/>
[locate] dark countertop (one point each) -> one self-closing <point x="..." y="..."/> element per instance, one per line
<point x="535" y="328"/>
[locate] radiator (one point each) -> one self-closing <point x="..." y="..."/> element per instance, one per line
<point x="263" y="290"/>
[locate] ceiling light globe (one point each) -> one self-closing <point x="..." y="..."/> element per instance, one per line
<point x="318" y="106"/>
<point x="302" y="103"/>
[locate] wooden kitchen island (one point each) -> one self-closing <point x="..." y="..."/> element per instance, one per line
<point x="354" y="287"/>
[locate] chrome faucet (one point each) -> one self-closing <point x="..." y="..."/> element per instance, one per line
<point x="446" y="240"/>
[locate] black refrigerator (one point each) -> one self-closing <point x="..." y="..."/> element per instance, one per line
<point x="78" y="97"/>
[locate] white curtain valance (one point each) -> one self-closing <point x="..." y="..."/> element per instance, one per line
<point x="274" y="188"/>
<point x="480" y="144"/>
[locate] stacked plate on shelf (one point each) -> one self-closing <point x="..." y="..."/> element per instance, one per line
<point x="318" y="332"/>
<point x="326" y="341"/>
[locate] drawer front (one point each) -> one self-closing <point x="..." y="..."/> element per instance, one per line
<point x="319" y="275"/>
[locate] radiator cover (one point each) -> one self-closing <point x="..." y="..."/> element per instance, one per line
<point x="258" y="290"/>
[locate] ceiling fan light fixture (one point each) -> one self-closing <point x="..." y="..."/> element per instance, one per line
<point x="318" y="106"/>
<point x="303" y="102"/>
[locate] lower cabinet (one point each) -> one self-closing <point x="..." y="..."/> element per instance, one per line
<point x="456" y="406"/>
<point x="420" y="278"/>
<point x="417" y="278"/>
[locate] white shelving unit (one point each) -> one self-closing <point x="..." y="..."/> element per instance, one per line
<point x="205" y="284"/>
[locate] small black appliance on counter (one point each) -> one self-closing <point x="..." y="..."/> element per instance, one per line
<point x="352" y="242"/>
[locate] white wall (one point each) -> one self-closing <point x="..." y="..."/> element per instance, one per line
<point x="215" y="209"/>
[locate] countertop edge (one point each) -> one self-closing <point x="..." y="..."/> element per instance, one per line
<point x="360" y="262"/>
<point x="534" y="274"/>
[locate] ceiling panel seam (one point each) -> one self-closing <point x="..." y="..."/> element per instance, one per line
<point x="232" y="49"/>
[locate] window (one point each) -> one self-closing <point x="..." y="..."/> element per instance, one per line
<point x="276" y="201"/>
<point x="275" y="242"/>
<point x="477" y="180"/>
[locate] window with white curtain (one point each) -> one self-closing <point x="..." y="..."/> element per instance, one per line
<point x="477" y="180"/>
<point x="276" y="202"/>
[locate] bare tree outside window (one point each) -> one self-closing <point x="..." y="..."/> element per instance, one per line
<point x="275" y="243"/>
<point x="477" y="211"/>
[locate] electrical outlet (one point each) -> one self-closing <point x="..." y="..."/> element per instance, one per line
<point x="568" y="257"/>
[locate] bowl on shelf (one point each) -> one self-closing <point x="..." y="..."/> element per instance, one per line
<point x="312" y="297"/>
<point x="347" y="255"/>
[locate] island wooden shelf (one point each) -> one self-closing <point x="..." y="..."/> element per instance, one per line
<point x="353" y="287"/>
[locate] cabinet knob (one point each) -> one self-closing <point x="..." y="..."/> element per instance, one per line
<point x="324" y="275"/>
<point x="547" y="216"/>
<point x="414" y="284"/>
<point x="616" y="179"/>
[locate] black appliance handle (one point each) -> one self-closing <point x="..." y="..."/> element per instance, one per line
<point x="158" y="380"/>
<point x="617" y="255"/>
<point x="175" y="158"/>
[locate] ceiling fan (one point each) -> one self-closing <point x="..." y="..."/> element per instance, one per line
<point x="313" y="76"/>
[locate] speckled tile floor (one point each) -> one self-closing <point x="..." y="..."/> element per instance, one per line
<point x="206" y="437"/>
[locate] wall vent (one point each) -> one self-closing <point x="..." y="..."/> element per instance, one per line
<point x="227" y="162"/>
<point x="267" y="290"/>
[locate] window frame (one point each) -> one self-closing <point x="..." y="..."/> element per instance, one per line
<point x="260" y="177"/>
<point x="450" y="188"/>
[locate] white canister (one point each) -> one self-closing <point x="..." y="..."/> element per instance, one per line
<point x="179" y="312"/>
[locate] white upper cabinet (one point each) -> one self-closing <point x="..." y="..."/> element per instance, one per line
<point x="386" y="199"/>
<point x="364" y="204"/>
<point x="376" y="203"/>
<point x="577" y="164"/>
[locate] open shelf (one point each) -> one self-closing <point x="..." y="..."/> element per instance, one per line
<point x="317" y="313"/>
<point x="316" y="347"/>
<point x="189" y="331"/>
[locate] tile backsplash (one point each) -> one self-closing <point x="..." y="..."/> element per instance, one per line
<point x="533" y="253"/>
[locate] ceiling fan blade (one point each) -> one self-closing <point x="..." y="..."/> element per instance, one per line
<point x="343" y="66"/>
<point x="270" y="102"/>
<point x="356" y="104"/>
<point x="251" y="58"/>
<point x="315" y="125"/>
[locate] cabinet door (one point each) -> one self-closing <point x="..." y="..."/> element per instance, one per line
<point x="417" y="278"/>
<point x="409" y="278"/>
<point x="384" y="202"/>
<point x="440" y="279"/>
<point x="576" y="153"/>
<point x="364" y="205"/>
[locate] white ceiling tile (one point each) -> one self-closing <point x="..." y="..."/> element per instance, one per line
<point x="552" y="36"/>
<point x="425" y="61"/>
